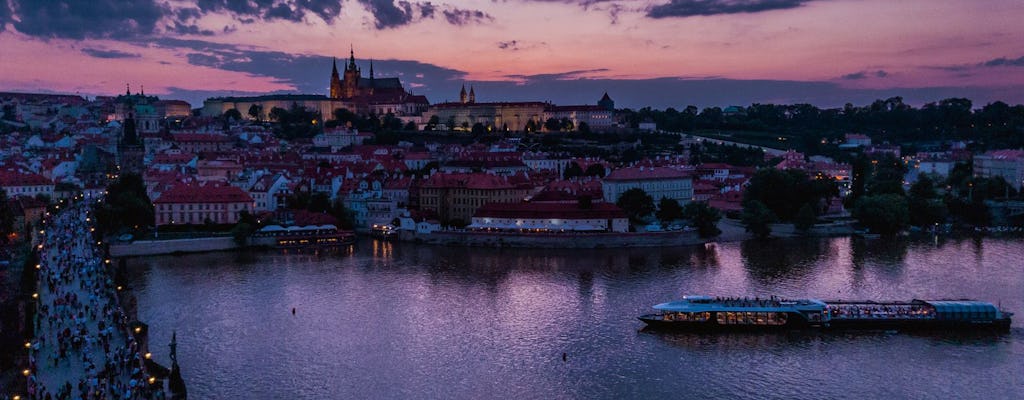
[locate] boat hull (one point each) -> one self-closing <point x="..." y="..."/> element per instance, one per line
<point x="655" y="321"/>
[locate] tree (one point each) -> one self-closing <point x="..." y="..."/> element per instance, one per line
<point x="479" y="129"/>
<point x="345" y="217"/>
<point x="255" y="111"/>
<point x="757" y="218"/>
<point x="531" y="126"/>
<point x="885" y="213"/>
<point x="6" y="216"/>
<point x="566" y="124"/>
<point x="241" y="233"/>
<point x="595" y="169"/>
<point x="925" y="208"/>
<point x="572" y="171"/>
<point x="433" y="123"/>
<point x="805" y="218"/>
<point x="668" y="210"/>
<point x="636" y="203"/>
<point x="411" y="126"/>
<point x="319" y="202"/>
<point x="785" y="192"/>
<point x="233" y="114"/>
<point x="584" y="128"/>
<point x="704" y="217"/>
<point x="277" y="114"/>
<point x="125" y="207"/>
<point x="552" y="125"/>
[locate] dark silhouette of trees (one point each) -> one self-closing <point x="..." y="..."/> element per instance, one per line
<point x="6" y="216"/>
<point x="636" y="203"/>
<point x="668" y="210"/>
<point x="233" y="114"/>
<point x="885" y="214"/>
<point x="126" y="207"/>
<point x="757" y="218"/>
<point x="704" y="217"/>
<point x="784" y="192"/>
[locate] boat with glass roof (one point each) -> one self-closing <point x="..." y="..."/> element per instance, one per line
<point x="706" y="313"/>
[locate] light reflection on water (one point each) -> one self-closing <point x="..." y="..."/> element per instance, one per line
<point x="386" y="320"/>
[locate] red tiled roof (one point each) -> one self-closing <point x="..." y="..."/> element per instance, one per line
<point x="16" y="178"/>
<point x="468" y="181"/>
<point x="200" y="137"/>
<point x="645" y="173"/>
<point x="183" y="193"/>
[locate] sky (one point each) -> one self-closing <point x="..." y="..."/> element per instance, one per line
<point x="657" y="53"/>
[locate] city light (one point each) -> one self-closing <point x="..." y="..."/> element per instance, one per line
<point x="152" y="380"/>
<point x="138" y="329"/>
<point x="26" y="372"/>
<point x="149" y="355"/>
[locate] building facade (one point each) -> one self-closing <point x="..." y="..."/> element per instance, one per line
<point x="658" y="182"/>
<point x="193" y="204"/>
<point x="1008" y="164"/>
<point x="456" y="197"/>
<point x="550" y="217"/>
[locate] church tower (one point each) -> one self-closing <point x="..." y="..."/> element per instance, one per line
<point x="350" y="86"/>
<point x="335" y="81"/>
<point x="472" y="95"/>
<point x="462" y="94"/>
<point x="371" y="78"/>
<point x="130" y="150"/>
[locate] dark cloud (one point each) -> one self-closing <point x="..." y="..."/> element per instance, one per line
<point x="690" y="8"/>
<point x="248" y="11"/>
<point x="460" y="17"/>
<point x="558" y="76"/>
<point x="283" y="11"/>
<point x="855" y="76"/>
<point x="188" y="29"/>
<point x="427" y="10"/>
<point x="100" y="53"/>
<point x="80" y="19"/>
<point x="864" y="74"/>
<point x="388" y="13"/>
<point x="1004" y="62"/>
<point x="509" y="45"/>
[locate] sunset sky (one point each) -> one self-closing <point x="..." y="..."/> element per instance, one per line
<point x="659" y="53"/>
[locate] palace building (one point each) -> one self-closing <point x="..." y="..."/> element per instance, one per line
<point x="519" y="116"/>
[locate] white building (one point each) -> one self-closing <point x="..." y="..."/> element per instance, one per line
<point x="658" y="182"/>
<point x="1008" y="164"/>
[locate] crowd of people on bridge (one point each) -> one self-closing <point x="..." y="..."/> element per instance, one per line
<point x="83" y="348"/>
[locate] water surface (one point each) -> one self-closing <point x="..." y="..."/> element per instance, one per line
<point x="384" y="320"/>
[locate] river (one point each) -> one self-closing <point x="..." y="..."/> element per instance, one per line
<point x="382" y="320"/>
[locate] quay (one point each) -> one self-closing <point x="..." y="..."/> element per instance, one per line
<point x="86" y="344"/>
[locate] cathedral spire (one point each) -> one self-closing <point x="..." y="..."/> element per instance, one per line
<point x="351" y="57"/>
<point x="472" y="94"/>
<point x="462" y="94"/>
<point x="371" y="69"/>
<point x="128" y="89"/>
<point x="334" y="66"/>
<point x="142" y="90"/>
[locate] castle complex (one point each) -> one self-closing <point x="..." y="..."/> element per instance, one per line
<point x="349" y="90"/>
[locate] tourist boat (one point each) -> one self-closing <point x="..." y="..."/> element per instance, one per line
<point x="705" y="313"/>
